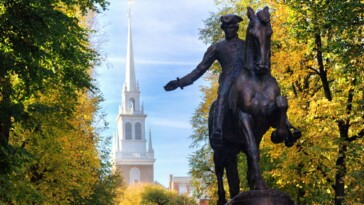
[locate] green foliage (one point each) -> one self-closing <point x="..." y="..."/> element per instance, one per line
<point x="151" y="194"/>
<point x="64" y="165"/>
<point x="203" y="173"/>
<point x="42" y="45"/>
<point x="155" y="195"/>
<point x="212" y="33"/>
<point x="160" y="196"/>
<point x="51" y="149"/>
<point x="328" y="88"/>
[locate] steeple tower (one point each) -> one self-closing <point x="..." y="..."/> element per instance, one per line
<point x="131" y="155"/>
<point x="130" y="92"/>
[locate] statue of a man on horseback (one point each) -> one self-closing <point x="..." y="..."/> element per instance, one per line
<point x="249" y="100"/>
<point x="229" y="53"/>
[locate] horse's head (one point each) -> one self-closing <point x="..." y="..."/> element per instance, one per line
<point x="258" y="37"/>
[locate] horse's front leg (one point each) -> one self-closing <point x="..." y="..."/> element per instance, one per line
<point x="281" y="132"/>
<point x="233" y="174"/>
<point x="255" y="179"/>
<point x="219" y="157"/>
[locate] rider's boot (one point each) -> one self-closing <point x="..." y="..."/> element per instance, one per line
<point x="216" y="136"/>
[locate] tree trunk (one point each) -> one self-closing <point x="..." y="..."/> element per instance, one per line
<point x="5" y="121"/>
<point x="5" y="130"/>
<point x="344" y="126"/>
<point x="339" y="186"/>
<point x="323" y="73"/>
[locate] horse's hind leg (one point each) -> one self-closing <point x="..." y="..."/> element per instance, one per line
<point x="255" y="179"/>
<point x="281" y="132"/>
<point x="219" y="158"/>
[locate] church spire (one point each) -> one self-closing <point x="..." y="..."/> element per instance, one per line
<point x="130" y="79"/>
<point x="133" y="159"/>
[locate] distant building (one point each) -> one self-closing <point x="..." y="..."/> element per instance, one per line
<point x="180" y="184"/>
<point x="203" y="202"/>
<point x="130" y="154"/>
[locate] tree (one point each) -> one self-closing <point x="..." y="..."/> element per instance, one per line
<point x="50" y="140"/>
<point x="132" y="195"/>
<point x="330" y="65"/>
<point x="41" y="42"/>
<point x="150" y="194"/>
<point x="155" y="195"/>
<point x="65" y="166"/>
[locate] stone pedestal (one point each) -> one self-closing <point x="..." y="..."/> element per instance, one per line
<point x="262" y="197"/>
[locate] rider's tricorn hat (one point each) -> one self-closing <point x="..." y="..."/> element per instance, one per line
<point x="229" y="19"/>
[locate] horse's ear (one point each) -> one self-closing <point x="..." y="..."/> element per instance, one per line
<point x="251" y="13"/>
<point x="221" y="18"/>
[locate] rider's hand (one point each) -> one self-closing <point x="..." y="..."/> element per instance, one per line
<point x="173" y="84"/>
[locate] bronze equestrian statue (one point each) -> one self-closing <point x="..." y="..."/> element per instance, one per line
<point x="252" y="105"/>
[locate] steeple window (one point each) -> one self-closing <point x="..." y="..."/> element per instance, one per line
<point x="132" y="104"/>
<point x="128" y="133"/>
<point x="138" y="131"/>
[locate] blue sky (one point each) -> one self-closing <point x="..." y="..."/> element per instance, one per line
<point x="166" y="45"/>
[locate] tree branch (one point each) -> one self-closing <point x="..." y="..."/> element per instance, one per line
<point x="358" y="136"/>
<point x="314" y="70"/>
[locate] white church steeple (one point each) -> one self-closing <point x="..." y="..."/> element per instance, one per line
<point x="130" y="92"/>
<point x="131" y="155"/>
<point x="130" y="79"/>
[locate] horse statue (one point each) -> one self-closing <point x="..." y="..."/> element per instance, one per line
<point x="255" y="105"/>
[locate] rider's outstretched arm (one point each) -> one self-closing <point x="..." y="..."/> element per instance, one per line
<point x="208" y="58"/>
